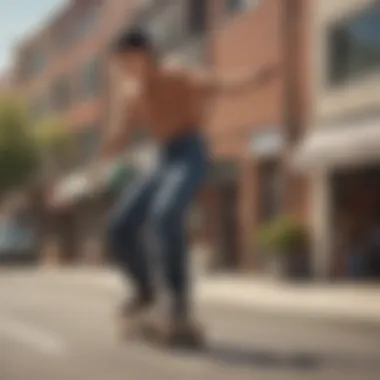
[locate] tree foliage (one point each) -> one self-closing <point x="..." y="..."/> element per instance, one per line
<point x="18" y="151"/>
<point x="55" y="143"/>
<point x="52" y="134"/>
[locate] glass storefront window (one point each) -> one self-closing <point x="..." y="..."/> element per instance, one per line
<point x="354" y="47"/>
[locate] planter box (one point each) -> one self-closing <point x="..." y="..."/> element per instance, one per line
<point x="290" y="266"/>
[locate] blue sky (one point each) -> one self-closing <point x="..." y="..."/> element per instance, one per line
<point x="17" y="19"/>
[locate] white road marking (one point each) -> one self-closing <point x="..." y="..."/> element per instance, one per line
<point x="36" y="338"/>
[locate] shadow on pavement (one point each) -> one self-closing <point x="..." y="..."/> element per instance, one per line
<point x="244" y="356"/>
<point x="260" y="358"/>
<point x="234" y="355"/>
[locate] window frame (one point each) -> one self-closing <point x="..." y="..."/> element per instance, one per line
<point x="91" y="71"/>
<point x="61" y="99"/>
<point x="332" y="77"/>
<point x="87" y="141"/>
<point x="194" y="29"/>
<point x="244" y="5"/>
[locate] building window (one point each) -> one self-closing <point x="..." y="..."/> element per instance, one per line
<point x="38" y="63"/>
<point x="158" y="28"/>
<point x="33" y="63"/>
<point x="91" y="79"/>
<point x="234" y="5"/>
<point x="79" y="28"/>
<point x="88" y="22"/>
<point x="165" y="25"/>
<point x="239" y="5"/>
<point x="197" y="16"/>
<point x="87" y="144"/>
<point x="354" y="47"/>
<point x="61" y="93"/>
<point x="64" y="40"/>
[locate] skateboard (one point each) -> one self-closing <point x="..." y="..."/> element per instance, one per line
<point x="164" y="335"/>
<point x="153" y="331"/>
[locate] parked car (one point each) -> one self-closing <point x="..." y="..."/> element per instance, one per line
<point x="17" y="243"/>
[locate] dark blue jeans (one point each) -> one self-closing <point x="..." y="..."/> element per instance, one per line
<point x="148" y="222"/>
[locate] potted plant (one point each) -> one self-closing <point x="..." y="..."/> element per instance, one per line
<point x="286" y="240"/>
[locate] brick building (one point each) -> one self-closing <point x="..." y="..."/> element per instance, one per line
<point x="341" y="149"/>
<point x="61" y="71"/>
<point x="252" y="132"/>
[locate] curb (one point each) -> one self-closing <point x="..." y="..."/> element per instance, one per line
<point x="307" y="311"/>
<point x="304" y="304"/>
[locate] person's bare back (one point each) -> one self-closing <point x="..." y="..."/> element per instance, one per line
<point x="170" y="102"/>
<point x="171" y="106"/>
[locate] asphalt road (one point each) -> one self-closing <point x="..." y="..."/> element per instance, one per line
<point x="54" y="329"/>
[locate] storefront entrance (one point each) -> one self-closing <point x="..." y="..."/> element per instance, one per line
<point x="356" y="218"/>
<point x="223" y="180"/>
<point x="63" y="231"/>
<point x="229" y="252"/>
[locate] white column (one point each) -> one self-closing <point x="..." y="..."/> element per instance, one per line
<point x="321" y="223"/>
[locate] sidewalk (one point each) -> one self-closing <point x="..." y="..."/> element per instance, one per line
<point x="346" y="302"/>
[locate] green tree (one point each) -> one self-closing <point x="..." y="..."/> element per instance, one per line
<point x="56" y="145"/>
<point x="18" y="152"/>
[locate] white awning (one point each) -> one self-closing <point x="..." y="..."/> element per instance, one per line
<point x="267" y="144"/>
<point x="71" y="187"/>
<point x="340" y="146"/>
<point x="78" y="184"/>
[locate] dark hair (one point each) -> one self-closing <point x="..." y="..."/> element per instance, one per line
<point x="133" y="40"/>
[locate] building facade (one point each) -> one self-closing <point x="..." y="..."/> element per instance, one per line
<point x="341" y="149"/>
<point x="250" y="131"/>
<point x="61" y="73"/>
<point x="5" y="83"/>
<point x="61" y="70"/>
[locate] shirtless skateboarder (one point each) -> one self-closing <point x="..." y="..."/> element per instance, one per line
<point x="172" y="104"/>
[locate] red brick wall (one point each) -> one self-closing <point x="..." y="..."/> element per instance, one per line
<point x="246" y="40"/>
<point x="113" y="16"/>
